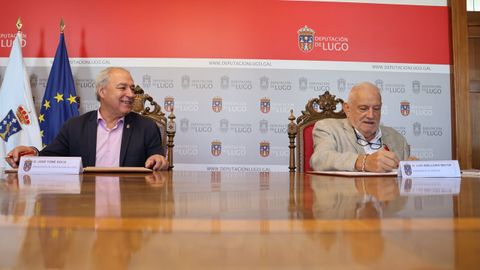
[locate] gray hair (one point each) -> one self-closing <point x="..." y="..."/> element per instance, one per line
<point x="103" y="77"/>
<point x="362" y="86"/>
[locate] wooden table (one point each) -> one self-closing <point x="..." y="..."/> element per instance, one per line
<point x="236" y="220"/>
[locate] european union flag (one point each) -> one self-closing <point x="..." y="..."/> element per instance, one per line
<point x="60" y="100"/>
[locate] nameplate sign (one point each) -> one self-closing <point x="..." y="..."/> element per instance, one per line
<point x="432" y="168"/>
<point x="50" y="165"/>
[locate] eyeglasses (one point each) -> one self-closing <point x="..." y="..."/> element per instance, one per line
<point x="363" y="142"/>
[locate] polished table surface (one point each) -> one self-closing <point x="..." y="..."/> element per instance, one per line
<point x="236" y="220"/>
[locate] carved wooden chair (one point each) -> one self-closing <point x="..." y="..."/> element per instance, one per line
<point x="300" y="133"/>
<point x="154" y="111"/>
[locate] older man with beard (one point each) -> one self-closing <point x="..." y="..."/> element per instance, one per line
<point x="359" y="142"/>
<point x="111" y="136"/>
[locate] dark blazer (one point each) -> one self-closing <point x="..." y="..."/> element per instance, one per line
<point x="78" y="138"/>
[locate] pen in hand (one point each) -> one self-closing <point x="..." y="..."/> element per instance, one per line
<point x="13" y="157"/>
<point x="21" y="154"/>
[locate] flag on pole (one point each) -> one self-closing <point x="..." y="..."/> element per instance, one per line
<point x="18" y="119"/>
<point x="60" y="99"/>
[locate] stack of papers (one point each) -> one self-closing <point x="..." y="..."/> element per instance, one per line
<point x="116" y="169"/>
<point x="471" y="173"/>
<point x="340" y="173"/>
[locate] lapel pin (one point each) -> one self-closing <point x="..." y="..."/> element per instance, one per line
<point x="128" y="125"/>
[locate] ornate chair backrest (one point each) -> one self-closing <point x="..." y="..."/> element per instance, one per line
<point x="300" y="133"/>
<point x="154" y="111"/>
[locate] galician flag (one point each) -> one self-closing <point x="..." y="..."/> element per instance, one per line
<point x="18" y="119"/>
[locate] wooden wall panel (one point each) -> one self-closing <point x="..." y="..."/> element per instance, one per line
<point x="461" y="125"/>
<point x="475" y="106"/>
<point x="474" y="84"/>
<point x="474" y="50"/>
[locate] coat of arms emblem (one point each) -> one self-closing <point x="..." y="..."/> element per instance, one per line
<point x="408" y="169"/>
<point x="217" y="104"/>
<point x="264" y="149"/>
<point x="306" y="37"/>
<point x="405" y="108"/>
<point x="169" y="103"/>
<point x="27" y="165"/>
<point x="216" y="148"/>
<point x="265" y="105"/>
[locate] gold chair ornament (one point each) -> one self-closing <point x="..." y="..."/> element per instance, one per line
<point x="325" y="106"/>
<point x="153" y="111"/>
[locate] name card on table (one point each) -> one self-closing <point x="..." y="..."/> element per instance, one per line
<point x="432" y="168"/>
<point x="50" y="165"/>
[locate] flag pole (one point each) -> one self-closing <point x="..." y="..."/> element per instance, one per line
<point x="19" y="24"/>
<point x="62" y="25"/>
